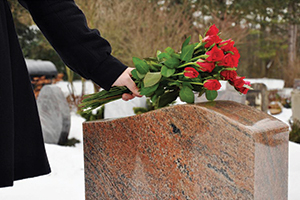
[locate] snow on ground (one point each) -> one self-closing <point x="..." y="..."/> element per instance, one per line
<point x="66" y="182"/>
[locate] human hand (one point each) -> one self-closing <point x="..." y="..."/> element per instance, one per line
<point x="125" y="80"/>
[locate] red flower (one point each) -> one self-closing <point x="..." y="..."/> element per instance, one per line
<point x="229" y="74"/>
<point x="213" y="30"/>
<point x="235" y="52"/>
<point x="236" y="56"/>
<point x="244" y="90"/>
<point x="215" y="54"/>
<point x="206" y="66"/>
<point x="212" y="84"/>
<point x="238" y="82"/>
<point x="229" y="61"/>
<point x="190" y="72"/>
<point x="210" y="40"/>
<point x="226" y="45"/>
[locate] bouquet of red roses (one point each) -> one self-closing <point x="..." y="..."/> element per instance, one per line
<point x="197" y="67"/>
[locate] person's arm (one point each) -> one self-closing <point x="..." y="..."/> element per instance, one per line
<point x="81" y="48"/>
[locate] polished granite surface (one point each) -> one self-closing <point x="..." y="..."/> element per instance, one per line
<point x="219" y="150"/>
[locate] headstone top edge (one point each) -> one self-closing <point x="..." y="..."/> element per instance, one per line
<point x="239" y="113"/>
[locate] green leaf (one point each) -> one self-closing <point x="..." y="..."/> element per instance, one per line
<point x="148" y="90"/>
<point x="155" y="64"/>
<point x="186" y="94"/>
<point x="134" y="74"/>
<point x="154" y="98"/>
<point x="169" y="50"/>
<point x="141" y="66"/>
<point x="152" y="78"/>
<point x="167" y="98"/>
<point x="176" y="83"/>
<point x="159" y="91"/>
<point x="200" y="38"/>
<point x="167" y="72"/>
<point x="201" y="92"/>
<point x="172" y="62"/>
<point x="140" y="75"/>
<point x="187" y="53"/>
<point x="186" y="42"/>
<point x="157" y="53"/>
<point x="176" y="55"/>
<point x="164" y="55"/>
<point x="187" y="84"/>
<point x="211" y="94"/>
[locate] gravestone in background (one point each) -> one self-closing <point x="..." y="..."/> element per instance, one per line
<point x="296" y="102"/>
<point x="201" y="151"/>
<point x="258" y="97"/>
<point x="54" y="114"/>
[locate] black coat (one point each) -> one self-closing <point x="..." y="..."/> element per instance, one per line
<point x="22" y="152"/>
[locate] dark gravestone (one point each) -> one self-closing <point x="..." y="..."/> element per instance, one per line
<point x="54" y="114"/>
<point x="258" y="97"/>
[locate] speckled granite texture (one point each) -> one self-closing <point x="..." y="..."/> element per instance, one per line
<point x="220" y="150"/>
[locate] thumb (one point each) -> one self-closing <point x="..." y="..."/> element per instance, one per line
<point x="125" y="80"/>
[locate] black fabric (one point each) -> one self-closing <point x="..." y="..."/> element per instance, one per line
<point x="22" y="151"/>
<point x="82" y="49"/>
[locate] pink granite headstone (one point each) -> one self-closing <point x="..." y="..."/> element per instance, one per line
<point x="220" y="150"/>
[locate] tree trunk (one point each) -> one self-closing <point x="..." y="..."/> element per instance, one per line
<point x="292" y="50"/>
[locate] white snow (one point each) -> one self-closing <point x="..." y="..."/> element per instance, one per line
<point x="66" y="182"/>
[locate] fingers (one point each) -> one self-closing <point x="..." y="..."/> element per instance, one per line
<point x="132" y="87"/>
<point x="127" y="96"/>
<point x="125" y="80"/>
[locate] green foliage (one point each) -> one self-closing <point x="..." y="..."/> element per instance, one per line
<point x="152" y="78"/>
<point x="295" y="133"/>
<point x="167" y="72"/>
<point x="70" y="142"/>
<point x="187" y="52"/>
<point x="186" y="94"/>
<point x="141" y="110"/>
<point x="211" y="94"/>
<point x="141" y="66"/>
<point x="89" y="116"/>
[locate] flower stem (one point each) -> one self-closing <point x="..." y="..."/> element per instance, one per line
<point x="187" y="64"/>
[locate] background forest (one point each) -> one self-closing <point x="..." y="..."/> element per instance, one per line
<point x="265" y="31"/>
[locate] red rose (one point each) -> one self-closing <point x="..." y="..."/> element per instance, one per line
<point x="206" y="66"/>
<point x="235" y="52"/>
<point x="229" y="61"/>
<point x="210" y="40"/>
<point x="212" y="84"/>
<point x="213" y="30"/>
<point x="190" y="72"/>
<point x="244" y="90"/>
<point x="238" y="82"/>
<point x="226" y="45"/>
<point x="236" y="56"/>
<point x="229" y="74"/>
<point x="215" y="54"/>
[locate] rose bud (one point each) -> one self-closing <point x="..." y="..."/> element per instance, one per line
<point x="212" y="84"/>
<point x="190" y="72"/>
<point x="244" y="90"/>
<point x="215" y="54"/>
<point x="229" y="74"/>
<point x="206" y="66"/>
<point x="213" y="30"/>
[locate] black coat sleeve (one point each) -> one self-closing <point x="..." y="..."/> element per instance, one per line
<point x="81" y="48"/>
